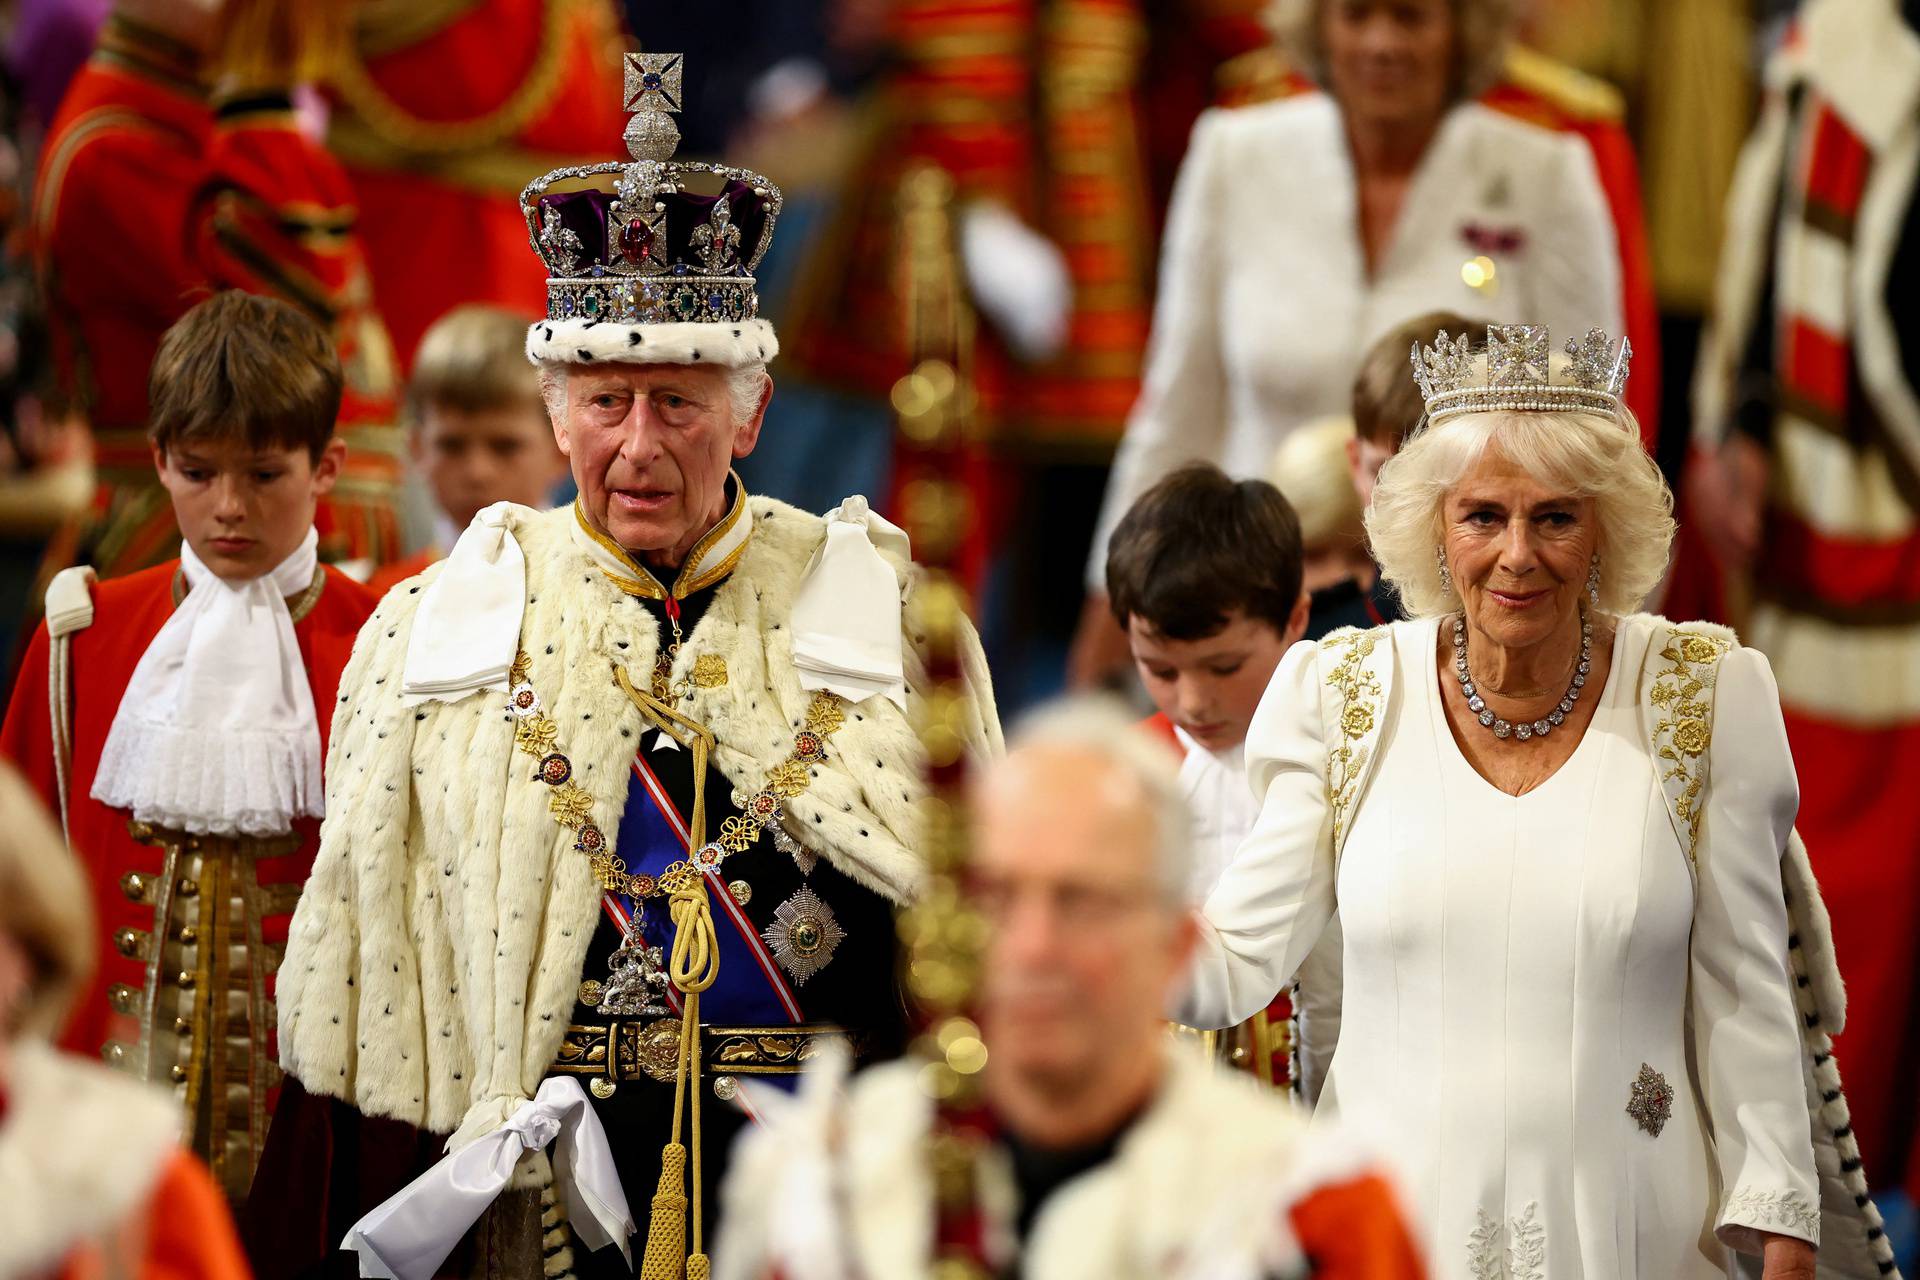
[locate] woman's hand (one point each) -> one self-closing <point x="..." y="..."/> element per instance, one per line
<point x="1785" y="1258"/>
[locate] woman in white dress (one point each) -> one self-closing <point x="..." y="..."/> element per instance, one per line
<point x="1301" y="231"/>
<point x="1567" y="998"/>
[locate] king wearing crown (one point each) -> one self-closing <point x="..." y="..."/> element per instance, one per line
<point x="624" y="794"/>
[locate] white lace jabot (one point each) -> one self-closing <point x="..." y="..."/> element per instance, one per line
<point x="216" y="733"/>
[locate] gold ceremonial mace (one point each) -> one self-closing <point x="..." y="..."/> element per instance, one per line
<point x="933" y="407"/>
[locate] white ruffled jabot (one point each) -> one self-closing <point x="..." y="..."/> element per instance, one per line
<point x="216" y="733"/>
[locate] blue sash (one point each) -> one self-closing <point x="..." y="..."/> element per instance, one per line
<point x="751" y="990"/>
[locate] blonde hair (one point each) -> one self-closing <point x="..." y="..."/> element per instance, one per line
<point x="1583" y="454"/>
<point x="46" y="908"/>
<point x="1483" y="30"/>
<point x="1310" y="470"/>
<point x="471" y="359"/>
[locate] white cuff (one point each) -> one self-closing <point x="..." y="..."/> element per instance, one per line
<point x="411" y="1234"/>
<point x="846" y="619"/>
<point x="467" y="629"/>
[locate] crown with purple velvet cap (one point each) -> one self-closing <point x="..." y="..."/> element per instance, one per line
<point x="640" y="267"/>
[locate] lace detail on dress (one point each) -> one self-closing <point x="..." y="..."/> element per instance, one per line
<point x="1483" y="1250"/>
<point x="1514" y="1250"/>
<point x="1527" y="1254"/>
<point x="1776" y="1208"/>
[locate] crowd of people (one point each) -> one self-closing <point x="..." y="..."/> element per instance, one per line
<point x="504" y="770"/>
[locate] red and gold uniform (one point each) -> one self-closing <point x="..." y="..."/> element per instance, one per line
<point x="1554" y="96"/>
<point x="1029" y="103"/>
<point x="192" y="927"/>
<point x="150" y="197"/>
<point x="442" y="113"/>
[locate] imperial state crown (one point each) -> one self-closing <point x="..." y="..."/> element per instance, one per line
<point x="641" y="266"/>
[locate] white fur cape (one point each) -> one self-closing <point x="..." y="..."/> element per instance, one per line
<point x="436" y="952"/>
<point x="81" y="1153"/>
<point x="837" y="1183"/>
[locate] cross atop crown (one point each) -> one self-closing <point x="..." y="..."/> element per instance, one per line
<point x="652" y="90"/>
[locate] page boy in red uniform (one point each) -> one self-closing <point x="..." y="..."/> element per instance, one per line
<point x="176" y="718"/>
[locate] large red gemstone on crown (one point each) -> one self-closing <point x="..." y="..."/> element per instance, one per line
<point x="636" y="242"/>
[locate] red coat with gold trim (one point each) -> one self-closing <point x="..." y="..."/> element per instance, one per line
<point x="1029" y="103"/>
<point x="445" y="111"/>
<point x="219" y="922"/>
<point x="151" y="197"/>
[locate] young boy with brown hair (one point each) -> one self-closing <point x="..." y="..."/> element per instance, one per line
<point x="176" y="718"/>
<point x="479" y="430"/>
<point x="1386" y="410"/>
<point x="1203" y="573"/>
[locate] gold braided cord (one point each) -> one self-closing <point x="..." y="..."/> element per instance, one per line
<point x="400" y="127"/>
<point x="693" y="967"/>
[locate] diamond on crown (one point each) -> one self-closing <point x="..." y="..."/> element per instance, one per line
<point x="1517" y="377"/>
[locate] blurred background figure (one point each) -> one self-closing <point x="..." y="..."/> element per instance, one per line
<point x="1105" y="1148"/>
<point x="176" y="167"/>
<point x="477" y="428"/>
<point x="1328" y="471"/>
<point x="93" y="1181"/>
<point x="1313" y="468"/>
<point x="1304" y="228"/>
<point x="439" y="111"/>
<point x="1807" y="493"/>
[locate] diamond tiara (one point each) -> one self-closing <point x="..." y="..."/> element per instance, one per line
<point x="1517" y="366"/>
<point x="628" y="242"/>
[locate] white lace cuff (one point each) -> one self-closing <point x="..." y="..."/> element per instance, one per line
<point x="1751" y="1212"/>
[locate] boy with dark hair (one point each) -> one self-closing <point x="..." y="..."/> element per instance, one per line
<point x="1203" y="574"/>
<point x="181" y="738"/>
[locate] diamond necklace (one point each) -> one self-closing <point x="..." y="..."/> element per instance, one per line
<point x="1506" y="728"/>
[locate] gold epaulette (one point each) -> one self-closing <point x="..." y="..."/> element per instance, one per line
<point x="1260" y="75"/>
<point x="1579" y="95"/>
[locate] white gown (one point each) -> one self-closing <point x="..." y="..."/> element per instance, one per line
<point x="1511" y="962"/>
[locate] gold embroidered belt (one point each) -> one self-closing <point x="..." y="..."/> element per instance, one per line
<point x="649" y="1049"/>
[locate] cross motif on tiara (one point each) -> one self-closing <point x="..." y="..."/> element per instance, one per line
<point x="652" y="82"/>
<point x="1516" y="353"/>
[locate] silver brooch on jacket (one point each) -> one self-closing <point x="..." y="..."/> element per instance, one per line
<point x="803" y="935"/>
<point x="1651" y="1103"/>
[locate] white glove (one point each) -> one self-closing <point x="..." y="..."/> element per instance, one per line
<point x="1018" y="278"/>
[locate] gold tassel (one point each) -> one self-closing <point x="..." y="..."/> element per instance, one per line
<point x="698" y="1268"/>
<point x="667" y="1230"/>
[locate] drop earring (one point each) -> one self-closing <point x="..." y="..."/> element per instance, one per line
<point x="1446" y="574"/>
<point x="1593" y="580"/>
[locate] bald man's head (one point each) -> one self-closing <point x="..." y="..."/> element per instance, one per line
<point x="1081" y="848"/>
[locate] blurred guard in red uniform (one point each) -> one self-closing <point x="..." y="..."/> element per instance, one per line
<point x="444" y="107"/>
<point x="176" y="719"/>
<point x="151" y="194"/>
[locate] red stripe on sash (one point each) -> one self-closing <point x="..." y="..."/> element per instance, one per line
<point x="717" y="890"/>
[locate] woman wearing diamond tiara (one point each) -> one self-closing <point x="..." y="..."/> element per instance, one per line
<point x="1554" y="830"/>
<point x="1302" y="230"/>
